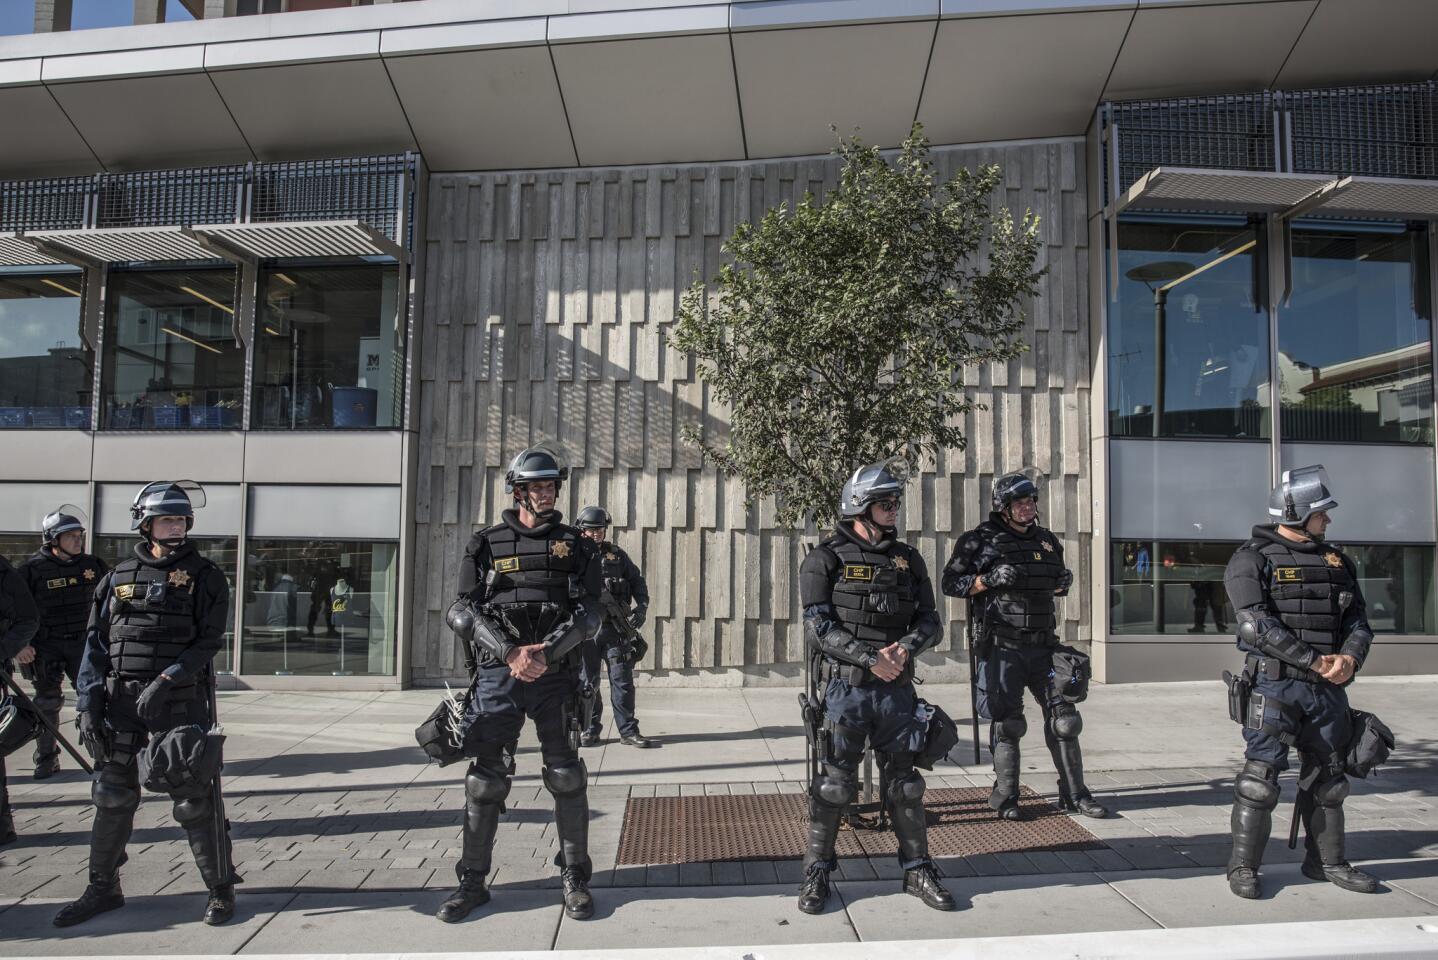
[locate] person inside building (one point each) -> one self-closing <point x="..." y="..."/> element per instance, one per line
<point x="1013" y="569"/>
<point x="156" y="622"/>
<point x="529" y="591"/>
<point x="62" y="578"/>
<point x="618" y="644"/>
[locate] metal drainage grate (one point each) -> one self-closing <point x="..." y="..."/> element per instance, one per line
<point x="772" y="826"/>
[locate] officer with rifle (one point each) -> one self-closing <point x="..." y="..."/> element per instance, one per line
<point x="625" y="603"/>
<point x="145" y="699"/>
<point x="528" y="600"/>
<point x="62" y="578"/>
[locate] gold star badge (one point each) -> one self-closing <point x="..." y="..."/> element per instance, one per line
<point x="73" y="581"/>
<point x="900" y="563"/>
<point x="89" y="574"/>
<point x="612" y="557"/>
<point x="559" y="548"/>
<point x="179" y="578"/>
<point x="1048" y="546"/>
<point x="1333" y="559"/>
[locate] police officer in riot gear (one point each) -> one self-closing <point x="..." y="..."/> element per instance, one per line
<point x="62" y="578"/>
<point x="19" y="622"/>
<point x="156" y="623"/>
<point x="868" y="612"/>
<point x="1302" y="622"/>
<point x="529" y="599"/>
<point x="627" y="595"/>
<point x="1015" y="569"/>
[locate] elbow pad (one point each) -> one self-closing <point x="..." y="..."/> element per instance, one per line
<point x="925" y="635"/>
<point x="1270" y="637"/>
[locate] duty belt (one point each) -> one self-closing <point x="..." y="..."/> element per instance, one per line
<point x="1275" y="669"/>
<point x="116" y="686"/>
<point x="860" y="676"/>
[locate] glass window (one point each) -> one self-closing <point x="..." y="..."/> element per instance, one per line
<point x="170" y="358"/>
<point x="1186" y="295"/>
<point x="1170" y="587"/>
<point x="16" y="547"/>
<point x="320" y="608"/>
<point x="1355" y="362"/>
<point x="1397" y="584"/>
<point x="326" y="351"/>
<point x="45" y="368"/>
<point x="222" y="551"/>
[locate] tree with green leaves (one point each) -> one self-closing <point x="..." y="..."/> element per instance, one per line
<point x="839" y="333"/>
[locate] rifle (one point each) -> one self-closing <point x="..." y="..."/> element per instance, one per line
<point x="24" y="698"/>
<point x="217" y="795"/>
<point x="635" y="645"/>
<point x="975" y="632"/>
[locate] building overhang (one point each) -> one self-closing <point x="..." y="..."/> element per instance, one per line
<point x="474" y="86"/>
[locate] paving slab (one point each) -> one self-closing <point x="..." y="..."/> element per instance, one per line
<point x="395" y="921"/>
<point x="145" y="926"/>
<point x="1418" y="877"/>
<point x="1197" y="898"/>
<point x="993" y="907"/>
<point x="639" y="917"/>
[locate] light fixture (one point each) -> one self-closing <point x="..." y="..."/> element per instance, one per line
<point x="212" y="302"/>
<point x="189" y="339"/>
<point x="281" y="276"/>
<point x="60" y="286"/>
<point x="1242" y="248"/>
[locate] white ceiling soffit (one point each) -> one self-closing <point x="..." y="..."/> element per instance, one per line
<point x="326" y="238"/>
<point x="1067" y="58"/>
<point x="15" y="252"/>
<point x="122" y="244"/>
<point x="1190" y="49"/>
<point x="50" y="145"/>
<point x="1189" y="188"/>
<point x="794" y="83"/>
<point x="1358" y="41"/>
<point x="1377" y="197"/>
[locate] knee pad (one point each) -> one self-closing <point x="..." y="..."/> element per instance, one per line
<point x="191" y="810"/>
<point x="1331" y="793"/>
<point x="49" y="700"/>
<point x="114" y="796"/>
<point x="1012" y="728"/>
<point x="566" y="779"/>
<point x="907" y="789"/>
<point x="835" y="788"/>
<point x="485" y="786"/>
<point x="1067" y="725"/>
<point x="1256" y="786"/>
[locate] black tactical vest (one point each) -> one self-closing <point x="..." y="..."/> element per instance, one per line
<point x="532" y="568"/>
<point x="1024" y="612"/>
<point x="64" y="591"/>
<point x="1309" y="589"/>
<point x="611" y="570"/>
<point x="874" y="593"/>
<point x="152" y="612"/>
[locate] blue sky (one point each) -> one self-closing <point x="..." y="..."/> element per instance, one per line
<point x="18" y="16"/>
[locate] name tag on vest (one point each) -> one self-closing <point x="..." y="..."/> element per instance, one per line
<point x="1288" y="574"/>
<point x="125" y="591"/>
<point x="506" y="565"/>
<point x="858" y="571"/>
<point x="59" y="583"/>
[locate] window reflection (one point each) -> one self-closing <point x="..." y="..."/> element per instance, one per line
<point x="1397" y="583"/>
<point x="45" y="367"/>
<point x="1186" y="294"/>
<point x="1170" y="587"/>
<point x="1355" y="362"/>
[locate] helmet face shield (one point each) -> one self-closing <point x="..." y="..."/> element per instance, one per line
<point x="1019" y="485"/>
<point x="1301" y="492"/>
<point x="873" y="482"/>
<point x="66" y="518"/>
<point x="166" y="498"/>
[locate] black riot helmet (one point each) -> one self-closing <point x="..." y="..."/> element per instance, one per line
<point x="1015" y="486"/>
<point x="592" y="518"/>
<point x="19" y="724"/>
<point x="534" y="463"/>
<point x="166" y="498"/>
<point x="1300" y="494"/>
<point x="870" y="483"/>
<point x="63" y="519"/>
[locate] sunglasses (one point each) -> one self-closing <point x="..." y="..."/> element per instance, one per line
<point x="890" y="504"/>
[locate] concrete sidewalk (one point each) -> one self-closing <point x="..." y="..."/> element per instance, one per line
<point x="347" y="840"/>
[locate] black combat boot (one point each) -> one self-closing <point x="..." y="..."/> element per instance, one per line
<point x="101" y="895"/>
<point x="472" y="893"/>
<point x="1004" y="798"/>
<point x="1255" y="794"/>
<point x="47" y="766"/>
<point x="578" y="902"/>
<point x="1084" y="803"/>
<point x="814" y="891"/>
<point x="636" y="739"/>
<point x="923" y="882"/>
<point x="1323" y="841"/>
<point x="221" y="905"/>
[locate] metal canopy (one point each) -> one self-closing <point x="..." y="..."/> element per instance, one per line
<point x="324" y="238"/>
<point x="1236" y="191"/>
<point x="1366" y="197"/>
<point x="16" y="252"/>
<point x="124" y="243"/>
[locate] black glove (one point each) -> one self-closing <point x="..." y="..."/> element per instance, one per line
<point x="153" y="704"/>
<point x="1004" y="575"/>
<point x="1066" y="580"/>
<point x="638" y="616"/>
<point x="94" y="735"/>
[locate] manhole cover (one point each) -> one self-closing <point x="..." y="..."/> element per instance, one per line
<point x="772" y="826"/>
